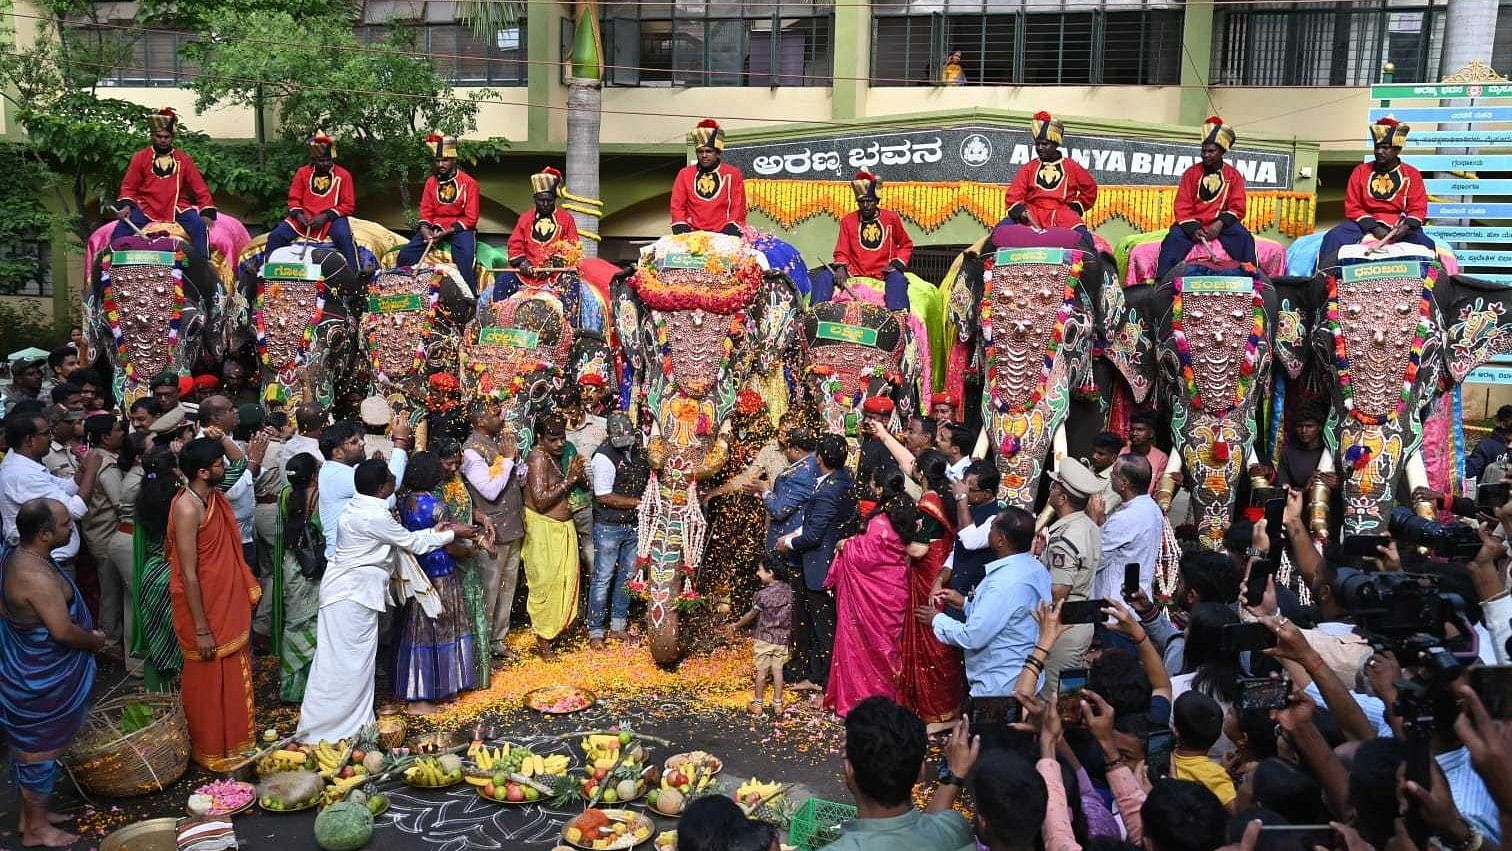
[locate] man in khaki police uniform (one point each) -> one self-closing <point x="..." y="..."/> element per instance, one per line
<point x="1073" y="548"/>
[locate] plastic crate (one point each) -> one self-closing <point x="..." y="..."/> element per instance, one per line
<point x="817" y="823"/>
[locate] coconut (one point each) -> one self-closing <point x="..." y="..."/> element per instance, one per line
<point x="670" y="801"/>
<point x="373" y="761"/>
<point x="450" y="763"/>
<point x="625" y="789"/>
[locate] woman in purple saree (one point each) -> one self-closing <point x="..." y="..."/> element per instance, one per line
<point x="870" y="580"/>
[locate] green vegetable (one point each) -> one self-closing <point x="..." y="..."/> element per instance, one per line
<point x="135" y="716"/>
<point x="343" y="826"/>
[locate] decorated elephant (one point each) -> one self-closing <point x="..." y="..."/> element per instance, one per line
<point x="852" y="351"/>
<point x="151" y="306"/>
<point x="521" y="348"/>
<point x="700" y="320"/>
<point x="1392" y="335"/>
<point x="305" y="307"/>
<point x="412" y="324"/>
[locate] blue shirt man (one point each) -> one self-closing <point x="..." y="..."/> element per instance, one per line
<point x="999" y="631"/>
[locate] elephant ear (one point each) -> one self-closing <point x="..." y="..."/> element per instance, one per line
<point x="457" y="299"/>
<point x="1477" y="318"/>
<point x="635" y="341"/>
<point x="1128" y="334"/>
<point x="1297" y="303"/>
<point x="963" y="286"/>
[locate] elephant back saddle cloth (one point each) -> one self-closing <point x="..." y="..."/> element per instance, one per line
<point x="854" y="351"/>
<point x="399" y="323"/>
<point x="291" y="296"/>
<point x="142" y="297"/>
<point x="519" y="350"/>
<point x="1032" y="322"/>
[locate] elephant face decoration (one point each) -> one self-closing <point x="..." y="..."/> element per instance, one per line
<point x="304" y="329"/>
<point x="517" y="353"/>
<point x="148" y="314"/>
<point x="694" y="320"/>
<point x="410" y="326"/>
<point x="1037" y="336"/>
<point x="854" y="350"/>
<point x="1214" y="350"/>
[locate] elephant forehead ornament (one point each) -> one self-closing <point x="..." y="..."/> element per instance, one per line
<point x="518" y="354"/>
<point x="855" y="350"/>
<point x="1036" y="331"/>
<point x="142" y="293"/>
<point x="290" y="305"/>
<point x="1218" y="332"/>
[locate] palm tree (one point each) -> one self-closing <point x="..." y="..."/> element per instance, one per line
<point x="584" y="102"/>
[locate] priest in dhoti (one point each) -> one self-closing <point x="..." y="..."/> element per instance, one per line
<point x="1210" y="204"/>
<point x="338" y="700"/>
<point x="550" y="552"/>
<point x="213" y="593"/>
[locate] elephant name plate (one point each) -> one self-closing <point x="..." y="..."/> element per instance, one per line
<point x="286" y="271"/>
<point x="519" y="338"/>
<point x="1217" y="285"/>
<point x="1387" y="270"/>
<point x="1014" y="256"/>
<point x="683" y="261"/>
<point x="141" y="257"/>
<point x="842" y="333"/>
<point x="395" y="303"/>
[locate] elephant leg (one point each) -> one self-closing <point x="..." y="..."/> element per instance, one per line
<point x="1166" y="492"/>
<point x="1417" y="477"/>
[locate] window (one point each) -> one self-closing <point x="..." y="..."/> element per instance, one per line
<point x="456" y="51"/>
<point x="1030" y="43"/>
<point x="26" y="268"/>
<point x="1312" y="45"/>
<point x="141" y="58"/>
<point x="717" y="43"/>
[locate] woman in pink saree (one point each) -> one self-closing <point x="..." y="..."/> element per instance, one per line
<point x="870" y="580"/>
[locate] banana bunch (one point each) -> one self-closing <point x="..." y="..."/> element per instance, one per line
<point x="427" y="772"/>
<point x="338" y="789"/>
<point x="753" y="793"/>
<point x="518" y="760"/>
<point x="280" y="761"/>
<point x="330" y="758"/>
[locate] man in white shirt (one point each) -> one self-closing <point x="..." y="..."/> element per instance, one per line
<point x="1130" y="534"/>
<point x="341" y="444"/>
<point x="310" y="420"/>
<point x="957" y="448"/>
<point x="338" y="701"/>
<point x="23" y="478"/>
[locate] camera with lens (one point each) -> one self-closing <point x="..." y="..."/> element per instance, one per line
<point x="1446" y="540"/>
<point x="1395" y="606"/>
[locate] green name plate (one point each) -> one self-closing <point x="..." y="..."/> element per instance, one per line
<point x="291" y="272"/>
<point x="141" y="258"/>
<point x="399" y="303"/>
<point x="1013" y="256"/>
<point x="842" y="333"/>
<point x="1383" y="269"/>
<point x="518" y="338"/>
<point x="683" y="261"/>
<point x="1217" y="285"/>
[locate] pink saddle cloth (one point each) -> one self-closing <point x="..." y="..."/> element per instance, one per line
<point x="1143" y="259"/>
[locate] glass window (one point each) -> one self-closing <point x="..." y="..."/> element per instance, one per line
<point x="1029" y="45"/>
<point x="459" y="54"/>
<point x="30" y="262"/>
<point x="1313" y="45"/>
<point x="715" y="43"/>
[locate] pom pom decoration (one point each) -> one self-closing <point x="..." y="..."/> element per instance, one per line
<point x="1221" y="451"/>
<point x="1010" y="445"/>
<point x="1387" y="121"/>
<point x="709" y="123"/>
<point x="1042" y="116"/>
<point x="748" y="402"/>
<point x="1357" y="456"/>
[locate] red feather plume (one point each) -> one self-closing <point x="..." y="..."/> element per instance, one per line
<point x="709" y="123"/>
<point x="551" y="170"/>
<point x="433" y="138"/>
<point x="864" y="175"/>
<point x="1042" y="116"/>
<point x="321" y="139"/>
<point x="1213" y="119"/>
<point x="1386" y="121"/>
<point x="167" y="110"/>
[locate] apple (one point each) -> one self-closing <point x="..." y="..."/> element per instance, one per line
<point x="514" y="793"/>
<point x="610" y="797"/>
<point x="589" y="787"/>
<point x="624" y="738"/>
<point x="488" y="789"/>
<point x="357" y="755"/>
<point x="600" y="773"/>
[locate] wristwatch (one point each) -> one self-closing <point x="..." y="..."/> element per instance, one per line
<point x="948" y="777"/>
<point x="1255" y="552"/>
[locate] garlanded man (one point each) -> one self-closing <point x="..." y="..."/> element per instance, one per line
<point x="1051" y="190"/>
<point x="321" y="197"/>
<point x="872" y="244"/>
<point x="448" y="212"/>
<point x="162" y="184"/>
<point x="1210" y="204"/>
<point x="1384" y="199"/>
<point x="709" y="195"/>
<point x="213" y="592"/>
<point x="47" y="664"/>
<point x="537" y="231"/>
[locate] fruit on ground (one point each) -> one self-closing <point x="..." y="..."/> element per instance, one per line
<point x="343" y="826"/>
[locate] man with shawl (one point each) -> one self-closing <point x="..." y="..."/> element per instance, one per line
<point x="213" y="592"/>
<point x="47" y="664"/>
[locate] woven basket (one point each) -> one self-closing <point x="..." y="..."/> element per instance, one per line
<point x="391" y="730"/>
<point x="106" y="762"/>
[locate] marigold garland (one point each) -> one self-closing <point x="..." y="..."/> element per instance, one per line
<point x="931" y="204"/>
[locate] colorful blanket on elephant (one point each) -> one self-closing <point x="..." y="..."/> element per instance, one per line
<point x="1302" y="256"/>
<point x="228" y="238"/>
<point x="782" y="257"/>
<point x="1137" y="256"/>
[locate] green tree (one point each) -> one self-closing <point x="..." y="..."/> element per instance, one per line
<point x="378" y="103"/>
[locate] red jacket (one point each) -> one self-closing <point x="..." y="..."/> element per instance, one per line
<point x="1203" y="198"/>
<point x="709" y="201"/>
<point x="455" y="200"/>
<point x="314" y="194"/>
<point x="868" y="254"/>
<point x="163" y="187"/>
<point x="530" y="239"/>
<point x="1374" y="197"/>
<point x="1055" y="194"/>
